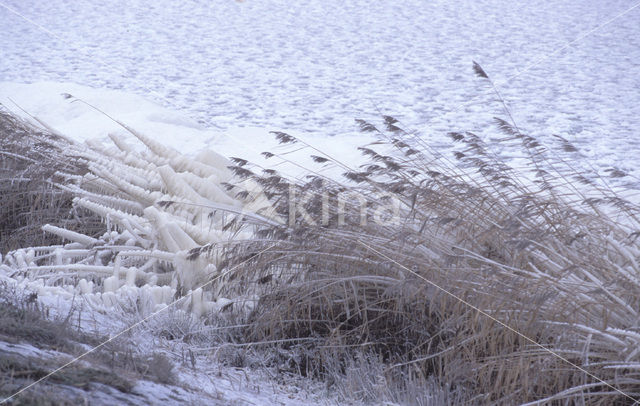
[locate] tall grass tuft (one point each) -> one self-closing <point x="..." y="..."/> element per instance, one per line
<point x="504" y="285"/>
<point x="30" y="162"/>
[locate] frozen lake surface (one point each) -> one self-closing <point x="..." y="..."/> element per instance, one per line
<point x="314" y="66"/>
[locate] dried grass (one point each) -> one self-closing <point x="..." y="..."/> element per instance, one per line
<point x="117" y="365"/>
<point x="31" y="161"/>
<point x="495" y="283"/>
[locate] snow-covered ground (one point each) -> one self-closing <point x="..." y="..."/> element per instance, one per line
<point x="313" y="66"/>
<point x="200" y="379"/>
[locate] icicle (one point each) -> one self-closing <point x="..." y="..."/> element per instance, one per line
<point x="129" y="206"/>
<point x="117" y="215"/>
<point x="173" y="237"/>
<point x="143" y="196"/>
<point x="69" y="235"/>
<point x="176" y="186"/>
<point x="85" y="287"/>
<point x="131" y="277"/>
<point x="121" y="143"/>
<point x="217" y="161"/>
<point x="19" y="257"/>
<point x="208" y="188"/>
<point x="197" y="302"/>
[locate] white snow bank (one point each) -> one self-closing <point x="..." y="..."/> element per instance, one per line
<point x="71" y="116"/>
<point x="61" y="106"/>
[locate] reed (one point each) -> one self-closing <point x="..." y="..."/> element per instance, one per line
<point x="506" y="285"/>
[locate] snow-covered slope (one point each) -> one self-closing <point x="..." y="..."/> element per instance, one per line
<point x="63" y="106"/>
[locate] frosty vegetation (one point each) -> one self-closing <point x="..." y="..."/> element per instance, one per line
<point x="498" y="285"/>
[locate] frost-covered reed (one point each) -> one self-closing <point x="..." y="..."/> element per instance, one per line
<point x="119" y="220"/>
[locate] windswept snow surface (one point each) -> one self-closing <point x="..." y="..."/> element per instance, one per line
<point x="314" y="66"/>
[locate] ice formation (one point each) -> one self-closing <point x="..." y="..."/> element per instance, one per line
<point x="157" y="206"/>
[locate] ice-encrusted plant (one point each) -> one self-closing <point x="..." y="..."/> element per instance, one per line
<point x="155" y="206"/>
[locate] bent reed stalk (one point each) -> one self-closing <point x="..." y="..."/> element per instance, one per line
<point x="550" y="252"/>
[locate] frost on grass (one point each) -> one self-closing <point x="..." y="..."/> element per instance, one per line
<point x="154" y="218"/>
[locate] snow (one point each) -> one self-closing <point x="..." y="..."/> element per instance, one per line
<point x="203" y="381"/>
<point x="314" y="66"/>
<point x="201" y="386"/>
<point x="75" y="119"/>
<point x="90" y="114"/>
